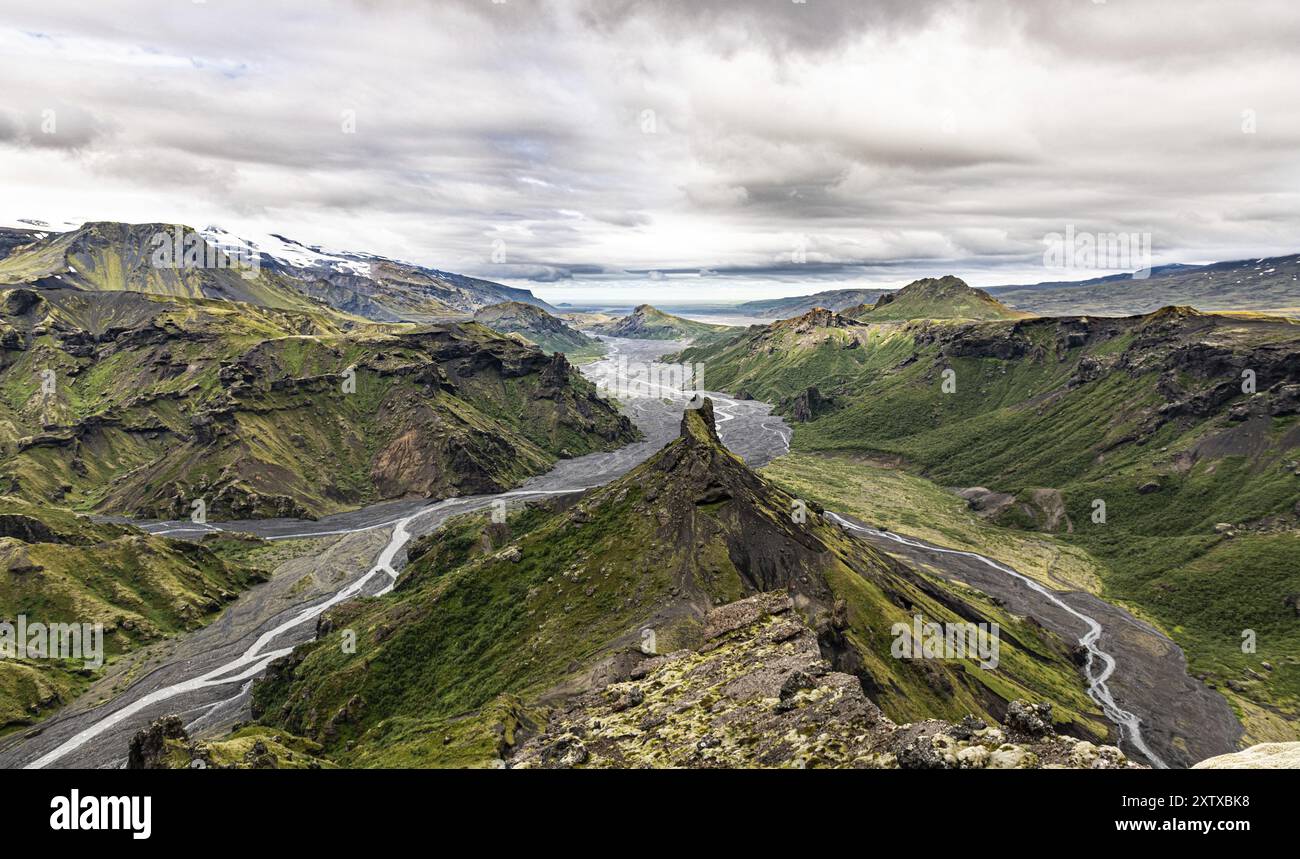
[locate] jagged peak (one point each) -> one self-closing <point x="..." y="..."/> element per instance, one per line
<point x="700" y="424"/>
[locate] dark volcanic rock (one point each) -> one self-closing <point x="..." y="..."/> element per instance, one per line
<point x="27" y="529"/>
<point x="808" y="405"/>
<point x="150" y="748"/>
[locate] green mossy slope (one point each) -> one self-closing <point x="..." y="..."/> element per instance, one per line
<point x="1151" y="415"/>
<point x="141" y="405"/>
<point x="556" y="599"/>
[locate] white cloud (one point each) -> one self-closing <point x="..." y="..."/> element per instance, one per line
<point x="628" y="136"/>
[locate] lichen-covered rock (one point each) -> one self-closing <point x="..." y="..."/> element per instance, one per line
<point x="758" y="693"/>
<point x="165" y="744"/>
<point x="1009" y="757"/>
<point x="1028" y="719"/>
<point x="973" y="758"/>
<point x="1083" y="755"/>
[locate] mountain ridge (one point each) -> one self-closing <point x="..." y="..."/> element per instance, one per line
<point x="274" y="272"/>
<point x="548" y="332"/>
<point x="519" y="617"/>
<point x="1265" y="284"/>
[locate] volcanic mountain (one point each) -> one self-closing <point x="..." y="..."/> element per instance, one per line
<point x="650" y="323"/>
<point x="945" y="297"/>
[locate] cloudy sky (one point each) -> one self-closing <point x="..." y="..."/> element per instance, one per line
<point x="700" y="149"/>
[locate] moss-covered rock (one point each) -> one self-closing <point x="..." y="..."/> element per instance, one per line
<point x="757" y="692"/>
<point x="166" y="745"/>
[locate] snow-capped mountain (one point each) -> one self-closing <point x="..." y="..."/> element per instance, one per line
<point x="271" y="270"/>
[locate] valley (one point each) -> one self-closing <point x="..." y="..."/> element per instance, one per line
<point x="206" y="675"/>
<point x="1150" y="458"/>
<point x="944" y="458"/>
<point x="417" y="391"/>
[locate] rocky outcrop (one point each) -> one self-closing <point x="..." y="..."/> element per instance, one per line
<point x="808" y="405"/>
<point x="815" y="319"/>
<point x="165" y="744"/>
<point x="20" y="302"/>
<point x="27" y="528"/>
<point x="758" y="693"/>
<point x="160" y="746"/>
<point x="986" y="502"/>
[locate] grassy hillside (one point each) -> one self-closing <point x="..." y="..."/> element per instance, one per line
<point x="780" y="362"/>
<point x="62" y="568"/>
<point x="873" y="489"/>
<point x="935" y="298"/>
<point x="128" y="403"/>
<point x="491" y="622"/>
<point x="1146" y="414"/>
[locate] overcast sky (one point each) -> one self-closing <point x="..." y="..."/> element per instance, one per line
<point x="754" y="148"/>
